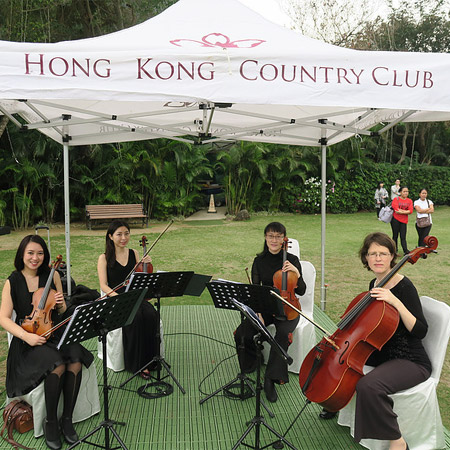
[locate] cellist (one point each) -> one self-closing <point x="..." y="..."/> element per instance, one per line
<point x="402" y="362"/>
<point x="266" y="263"/>
<point x="31" y="357"/>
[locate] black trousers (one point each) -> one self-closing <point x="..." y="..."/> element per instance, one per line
<point x="399" y="227"/>
<point x="422" y="233"/>
<point x="374" y="416"/>
<point x="276" y="366"/>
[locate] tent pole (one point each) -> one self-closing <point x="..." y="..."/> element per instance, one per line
<point x="67" y="215"/>
<point x="323" y="210"/>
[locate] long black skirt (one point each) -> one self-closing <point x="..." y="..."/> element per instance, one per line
<point x="27" y="366"/>
<point x="140" y="342"/>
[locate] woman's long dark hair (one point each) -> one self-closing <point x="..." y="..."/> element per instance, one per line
<point x="18" y="261"/>
<point x="275" y="227"/>
<point x="110" y="250"/>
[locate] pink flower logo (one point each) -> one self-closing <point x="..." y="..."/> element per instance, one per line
<point x="218" y="40"/>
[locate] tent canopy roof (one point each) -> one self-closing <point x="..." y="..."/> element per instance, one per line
<point x="224" y="74"/>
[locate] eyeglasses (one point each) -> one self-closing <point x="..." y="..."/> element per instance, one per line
<point x="274" y="237"/>
<point x="378" y="255"/>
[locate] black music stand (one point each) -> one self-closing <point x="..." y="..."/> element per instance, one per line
<point x="257" y="297"/>
<point x="261" y="334"/>
<point x="160" y="285"/>
<point x="97" y="319"/>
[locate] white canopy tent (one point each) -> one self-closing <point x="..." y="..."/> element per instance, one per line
<point x="207" y="71"/>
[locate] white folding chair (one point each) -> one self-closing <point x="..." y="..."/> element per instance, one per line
<point x="304" y="336"/>
<point x="87" y="404"/>
<point x="417" y="408"/>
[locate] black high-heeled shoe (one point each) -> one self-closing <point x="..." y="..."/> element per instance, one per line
<point x="68" y="431"/>
<point x="52" y="435"/>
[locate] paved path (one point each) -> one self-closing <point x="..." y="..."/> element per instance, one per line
<point x="203" y="214"/>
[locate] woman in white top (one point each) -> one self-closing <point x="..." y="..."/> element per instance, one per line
<point x="381" y="194"/>
<point x="423" y="207"/>
<point x="395" y="189"/>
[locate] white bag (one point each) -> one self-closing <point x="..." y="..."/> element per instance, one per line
<point x="386" y="214"/>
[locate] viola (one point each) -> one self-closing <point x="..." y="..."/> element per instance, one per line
<point x="331" y="370"/>
<point x="142" y="266"/>
<point x="286" y="282"/>
<point x="39" y="321"/>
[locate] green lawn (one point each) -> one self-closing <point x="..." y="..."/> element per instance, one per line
<point x="224" y="249"/>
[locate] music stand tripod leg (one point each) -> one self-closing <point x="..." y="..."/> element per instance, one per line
<point x="258" y="420"/>
<point x="162" y="388"/>
<point x="107" y="424"/>
<point x="244" y="382"/>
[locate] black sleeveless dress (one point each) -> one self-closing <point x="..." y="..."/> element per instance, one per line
<point x="27" y="366"/>
<point x="139" y="338"/>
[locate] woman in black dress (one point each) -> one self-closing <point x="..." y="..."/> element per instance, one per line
<point x="402" y="362"/>
<point x="139" y="338"/>
<point x="32" y="358"/>
<point x="264" y="266"/>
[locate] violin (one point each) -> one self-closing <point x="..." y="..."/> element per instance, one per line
<point x="127" y="279"/>
<point x="39" y="321"/>
<point x="142" y="266"/>
<point x="331" y="370"/>
<point x="286" y="282"/>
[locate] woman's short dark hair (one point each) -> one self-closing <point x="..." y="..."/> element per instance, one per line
<point x="18" y="261"/>
<point x="274" y="227"/>
<point x="110" y="250"/>
<point x="381" y="239"/>
<point x="401" y="189"/>
<point x="423" y="189"/>
<point x="379" y="184"/>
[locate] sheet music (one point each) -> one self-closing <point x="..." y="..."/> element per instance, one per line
<point x="248" y="310"/>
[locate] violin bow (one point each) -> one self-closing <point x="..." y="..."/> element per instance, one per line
<point x="327" y="333"/>
<point x="149" y="249"/>
<point x="248" y="276"/>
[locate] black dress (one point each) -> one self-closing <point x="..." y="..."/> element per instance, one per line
<point x="140" y="343"/>
<point x="27" y="366"/>
<point x="263" y="269"/>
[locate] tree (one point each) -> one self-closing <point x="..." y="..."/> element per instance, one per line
<point x="332" y="21"/>
<point x="58" y="20"/>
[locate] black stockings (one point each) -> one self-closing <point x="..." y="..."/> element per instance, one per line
<point x="71" y="387"/>
<point x="63" y="378"/>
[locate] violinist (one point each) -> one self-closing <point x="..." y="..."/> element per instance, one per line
<point x="402" y="362"/>
<point x="265" y="265"/>
<point x="139" y="338"/>
<point x="31" y="357"/>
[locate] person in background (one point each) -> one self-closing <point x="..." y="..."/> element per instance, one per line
<point x="140" y="342"/>
<point x="424" y="207"/>
<point x="402" y="362"/>
<point x="403" y="207"/>
<point x="266" y="263"/>
<point x="31" y="357"/>
<point x="395" y="189"/>
<point x="381" y="194"/>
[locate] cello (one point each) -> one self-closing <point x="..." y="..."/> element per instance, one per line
<point x="39" y="321"/>
<point x="330" y="372"/>
<point x="286" y="282"/>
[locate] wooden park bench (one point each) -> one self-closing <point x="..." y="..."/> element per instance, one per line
<point x="99" y="212"/>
